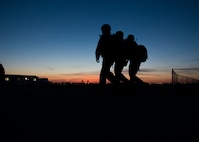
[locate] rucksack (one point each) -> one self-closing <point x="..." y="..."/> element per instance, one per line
<point x="142" y="53"/>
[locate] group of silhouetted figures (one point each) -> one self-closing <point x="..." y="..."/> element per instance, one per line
<point x="117" y="51"/>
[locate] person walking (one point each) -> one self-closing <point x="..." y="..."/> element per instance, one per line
<point x="120" y="58"/>
<point x="136" y="54"/>
<point x="104" y="49"/>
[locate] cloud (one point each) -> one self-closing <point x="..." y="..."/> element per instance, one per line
<point x="149" y="70"/>
<point x="81" y="73"/>
<point x="51" y="69"/>
<point x="191" y="69"/>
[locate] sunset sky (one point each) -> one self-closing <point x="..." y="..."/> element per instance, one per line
<point x="56" y="39"/>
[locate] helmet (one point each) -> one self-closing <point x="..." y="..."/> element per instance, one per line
<point x="106" y="28"/>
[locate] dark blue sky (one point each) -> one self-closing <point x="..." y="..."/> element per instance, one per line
<point x="57" y="38"/>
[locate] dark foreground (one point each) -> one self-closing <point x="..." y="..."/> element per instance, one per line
<point x="84" y="112"/>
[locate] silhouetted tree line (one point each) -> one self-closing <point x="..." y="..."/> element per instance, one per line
<point x="117" y="51"/>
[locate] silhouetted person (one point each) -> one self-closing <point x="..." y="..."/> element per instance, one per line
<point x="2" y="74"/>
<point x="136" y="55"/>
<point x="120" y="58"/>
<point x="105" y="49"/>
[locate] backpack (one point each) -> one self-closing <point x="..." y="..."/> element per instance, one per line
<point x="142" y="53"/>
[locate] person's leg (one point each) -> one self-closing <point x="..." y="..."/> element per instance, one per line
<point x="103" y="73"/>
<point x="138" y="80"/>
<point x="133" y="69"/>
<point x="110" y="76"/>
<point x="119" y="65"/>
<point x="116" y="70"/>
<point x="124" y="79"/>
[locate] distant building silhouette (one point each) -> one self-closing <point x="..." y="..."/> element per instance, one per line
<point x="24" y="80"/>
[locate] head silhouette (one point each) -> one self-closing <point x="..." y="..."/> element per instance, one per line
<point x="106" y="28"/>
<point x="131" y="37"/>
<point x="119" y="34"/>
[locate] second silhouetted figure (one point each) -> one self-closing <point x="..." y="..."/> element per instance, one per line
<point x="120" y="57"/>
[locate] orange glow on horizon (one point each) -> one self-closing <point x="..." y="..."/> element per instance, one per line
<point x="93" y="77"/>
<point x="149" y="78"/>
<point x="74" y="79"/>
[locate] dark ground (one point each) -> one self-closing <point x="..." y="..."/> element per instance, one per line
<point x="84" y="112"/>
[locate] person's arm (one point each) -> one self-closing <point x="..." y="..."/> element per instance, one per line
<point x="98" y="52"/>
